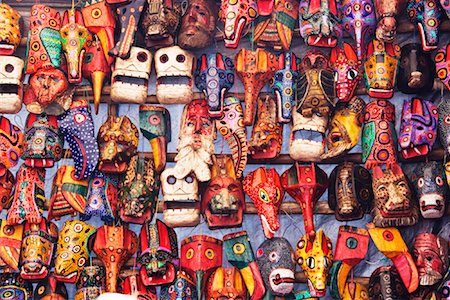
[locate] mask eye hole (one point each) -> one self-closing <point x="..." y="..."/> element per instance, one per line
<point x="180" y="58"/>
<point x="9" y="68"/>
<point x="142" y="56"/>
<point x="439" y="181"/>
<point x="171" y="180"/>
<point x="420" y="182"/>
<point x="311" y="262"/>
<point x="189" y="179"/>
<point x="164" y="58"/>
<point x="352" y="74"/>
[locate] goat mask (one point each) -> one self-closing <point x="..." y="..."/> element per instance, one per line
<point x="226" y="283"/>
<point x="11" y="143"/>
<point x="346" y="67"/>
<point x="183" y="288"/>
<point x="9" y="29"/>
<point x="237" y="16"/>
<point x="385" y="283"/>
<point x="427" y="15"/>
<point x="263" y="186"/>
<point x="11" y="86"/>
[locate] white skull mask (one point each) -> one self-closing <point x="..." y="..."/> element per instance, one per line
<point x="181" y="201"/>
<point x="11" y="92"/>
<point x="130" y="77"/>
<point x="307" y="142"/>
<point x="174" y="71"/>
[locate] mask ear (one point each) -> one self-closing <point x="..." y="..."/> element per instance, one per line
<point x="377" y="172"/>
<point x="350" y="53"/>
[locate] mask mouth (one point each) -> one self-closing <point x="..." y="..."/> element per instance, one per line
<point x="9" y="89"/>
<point x="269" y="232"/>
<point x="431" y="203"/>
<point x="175" y="80"/>
<point x="131" y="80"/>
<point x="232" y="40"/>
<point x="315" y="292"/>
<point x="319" y="40"/>
<point x="6" y="48"/>
<point x="285" y="113"/>
<point x="415" y="151"/>
<point x="181" y="204"/>
<point x="282" y="281"/>
<point x="310" y="135"/>
<point x="425" y="45"/>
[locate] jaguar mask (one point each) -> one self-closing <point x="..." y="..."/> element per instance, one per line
<point x="11" y="237"/>
<point x="226" y="283"/>
<point x="11" y="143"/>
<point x="237" y="16"/>
<point x="347" y="74"/>
<point x="91" y="283"/>
<point x="14" y="287"/>
<point x="427" y="15"/>
<point x="263" y="186"/>
<point x="50" y="289"/>
<point x="385" y="283"/>
<point x="387" y="12"/>
<point x="9" y="29"/>
<point x="183" y="288"/>
<point x="11" y="86"/>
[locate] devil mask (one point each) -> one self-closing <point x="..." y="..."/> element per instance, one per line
<point x="223" y="201"/>
<point x="214" y="77"/>
<point x="11" y="143"/>
<point x="237" y="16"/>
<point x="200" y="256"/>
<point x="267" y="133"/>
<point x="11" y="237"/>
<point x="91" y="283"/>
<point x="418" y="127"/>
<point x="50" y="289"/>
<point x="226" y="283"/>
<point x="350" y="191"/>
<point x="9" y="29"/>
<point x="158" y="253"/>
<point x="417" y="70"/>
<point x="305" y="183"/>
<point x="183" y="288"/>
<point x="347" y="75"/>
<point x="319" y="23"/>
<point x="385" y="283"/>
<point x="139" y="191"/>
<point x="427" y="15"/>
<point x="263" y="186"/>
<point x="379" y="138"/>
<point x="14" y="287"/>
<point x="11" y="86"/>
<point x="358" y="19"/>
<point x="198" y="24"/>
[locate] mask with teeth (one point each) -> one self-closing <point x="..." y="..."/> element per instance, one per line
<point x="379" y="139"/>
<point x="50" y="288"/>
<point x="130" y="77"/>
<point x="91" y="283"/>
<point x="276" y="260"/>
<point x="237" y="16"/>
<point x="381" y="69"/>
<point x="11" y="86"/>
<point x="11" y="143"/>
<point x="13" y="284"/>
<point x="174" y="75"/>
<point x="158" y="253"/>
<point x="263" y="186"/>
<point x="427" y="15"/>
<point x="9" y="29"/>
<point x="226" y="283"/>
<point x="223" y="201"/>
<point x="418" y="127"/>
<point x="385" y="283"/>
<point x="387" y="11"/>
<point x="183" y="288"/>
<point x="319" y="23"/>
<point x="181" y="202"/>
<point x="267" y="133"/>
<point x="347" y="75"/>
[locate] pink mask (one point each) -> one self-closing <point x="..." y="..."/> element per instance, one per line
<point x="347" y="75"/>
<point x="237" y="15"/>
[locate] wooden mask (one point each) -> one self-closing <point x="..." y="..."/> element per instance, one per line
<point x="276" y="30"/>
<point x="276" y="260"/>
<point x="418" y="127"/>
<point x="443" y="65"/>
<point x="427" y="15"/>
<point x="38" y="246"/>
<point x="231" y="126"/>
<point x="346" y="67"/>
<point x="11" y="139"/>
<point x="444" y="125"/>
<point x="387" y="11"/>
<point x="183" y="288"/>
<point x="9" y="29"/>
<point x="50" y="288"/>
<point x="226" y="284"/>
<point x="91" y="283"/>
<point x="73" y="249"/>
<point x="132" y="285"/>
<point x="237" y="16"/>
<point x="29" y="196"/>
<point x="381" y="68"/>
<point x="14" y="287"/>
<point x="200" y="256"/>
<point x="350" y="191"/>
<point x="417" y="70"/>
<point x="390" y="242"/>
<point x="379" y="137"/>
<point x="394" y="202"/>
<point x="154" y="122"/>
<point x="11" y="86"/>
<point x="385" y="283"/>
<point x="267" y="133"/>
<point x="263" y="186"/>
<point x="305" y="183"/>
<point x="223" y="202"/>
<point x="7" y="182"/>
<point x="114" y="245"/>
<point x="239" y="253"/>
<point x="158" y="255"/>
<point x="10" y="246"/>
<point x="254" y="69"/>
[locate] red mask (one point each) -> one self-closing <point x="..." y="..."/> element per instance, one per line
<point x="263" y="186"/>
<point x="11" y="143"/>
<point x="132" y="285"/>
<point x="347" y="75"/>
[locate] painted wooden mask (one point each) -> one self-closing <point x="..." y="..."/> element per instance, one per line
<point x="14" y="287"/>
<point x="198" y="24"/>
<point x="350" y="191"/>
<point x="11" y="143"/>
<point x="117" y="139"/>
<point x="254" y="69"/>
<point x="387" y="12"/>
<point x="9" y="29"/>
<point x="239" y="253"/>
<point x="276" y="30"/>
<point x="183" y="288"/>
<point x="154" y="122"/>
<point x="91" y="283"/>
<point x="214" y="77"/>
<point x="226" y="283"/>
<point x="276" y="260"/>
<point x="358" y="19"/>
<point x="72" y="251"/>
<point x="394" y="202"/>
<point x="129" y="15"/>
<point x="385" y="283"/>
<point x="158" y="253"/>
<point x="139" y="191"/>
<point x="231" y="126"/>
<point x="443" y="65"/>
<point x="50" y="289"/>
<point x="319" y="23"/>
<point x="379" y="137"/>
<point x="267" y="133"/>
<point x="237" y="16"/>
<point x="417" y="70"/>
<point x="132" y="285"/>
<point x="263" y="186"/>
<point x="38" y="246"/>
<point x="284" y="84"/>
<point x="160" y="23"/>
<point x="430" y="253"/>
<point x="200" y="256"/>
<point x="427" y="15"/>
<point x="223" y="202"/>
<point x="114" y="245"/>
<point x="305" y="183"/>
<point x="6" y="187"/>
<point x="11" y="86"/>
<point x="418" y="127"/>
<point x="347" y="75"/>
<point x="11" y="237"/>
<point x="174" y="75"/>
<point x="381" y="69"/>
<point x="444" y="125"/>
<point x="345" y="127"/>
<point x="29" y="196"/>
<point x="129" y="79"/>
